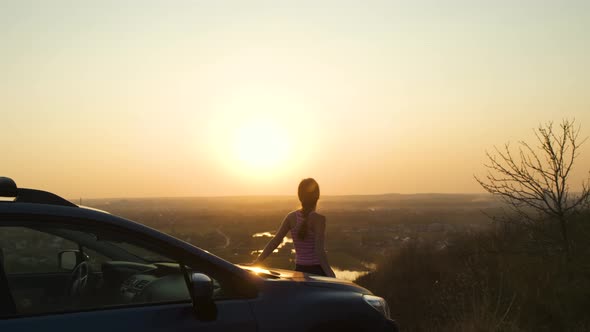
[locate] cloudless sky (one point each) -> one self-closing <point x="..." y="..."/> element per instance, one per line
<point x="182" y="98"/>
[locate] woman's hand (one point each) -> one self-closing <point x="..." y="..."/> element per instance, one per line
<point x="330" y="273"/>
<point x="254" y="262"/>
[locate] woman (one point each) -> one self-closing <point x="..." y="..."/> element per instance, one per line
<point x="308" y="232"/>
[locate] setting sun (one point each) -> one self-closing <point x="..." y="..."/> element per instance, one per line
<point x="260" y="134"/>
<point x="261" y="145"/>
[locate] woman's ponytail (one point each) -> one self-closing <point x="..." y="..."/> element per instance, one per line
<point x="309" y="193"/>
<point x="302" y="233"/>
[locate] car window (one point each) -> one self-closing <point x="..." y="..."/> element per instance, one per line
<point x="144" y="253"/>
<point x="104" y="274"/>
<point x="27" y="250"/>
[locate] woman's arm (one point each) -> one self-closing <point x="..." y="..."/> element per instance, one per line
<point x="275" y="241"/>
<point x="320" y="251"/>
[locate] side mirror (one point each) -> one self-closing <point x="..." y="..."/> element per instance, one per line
<point x="68" y="259"/>
<point x="201" y="288"/>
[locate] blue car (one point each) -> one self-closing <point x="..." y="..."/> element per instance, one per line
<point x="65" y="267"/>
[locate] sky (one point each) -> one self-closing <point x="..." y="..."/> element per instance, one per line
<point x="197" y="98"/>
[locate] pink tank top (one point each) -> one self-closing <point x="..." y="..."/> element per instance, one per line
<point x="304" y="248"/>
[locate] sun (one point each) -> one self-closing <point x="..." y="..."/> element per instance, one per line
<point x="261" y="134"/>
<point x="261" y="145"/>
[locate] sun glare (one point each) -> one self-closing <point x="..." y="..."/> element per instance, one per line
<point x="261" y="145"/>
<point x="256" y="133"/>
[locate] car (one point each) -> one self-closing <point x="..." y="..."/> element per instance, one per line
<point x="65" y="267"/>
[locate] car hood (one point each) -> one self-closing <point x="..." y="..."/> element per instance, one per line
<point x="306" y="279"/>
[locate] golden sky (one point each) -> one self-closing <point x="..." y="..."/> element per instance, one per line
<point x="182" y="98"/>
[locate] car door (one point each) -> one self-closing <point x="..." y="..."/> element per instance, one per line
<point x="52" y="307"/>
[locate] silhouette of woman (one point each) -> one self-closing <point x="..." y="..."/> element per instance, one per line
<point x="308" y="232"/>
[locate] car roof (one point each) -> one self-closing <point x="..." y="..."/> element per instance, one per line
<point x="13" y="207"/>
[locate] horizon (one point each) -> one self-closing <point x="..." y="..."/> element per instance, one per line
<point x="294" y="196"/>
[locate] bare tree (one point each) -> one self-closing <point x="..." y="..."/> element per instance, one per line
<point x="534" y="181"/>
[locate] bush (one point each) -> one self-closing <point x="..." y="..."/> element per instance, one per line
<point x="495" y="281"/>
